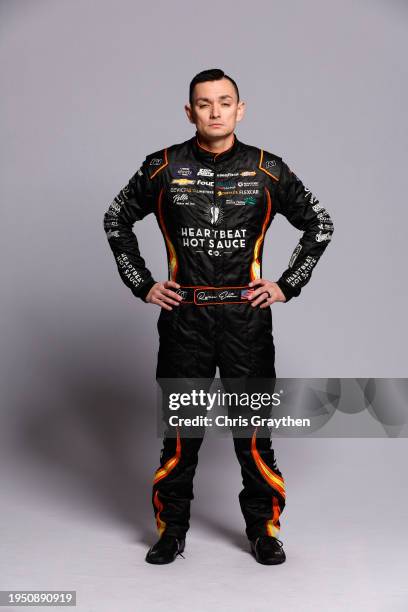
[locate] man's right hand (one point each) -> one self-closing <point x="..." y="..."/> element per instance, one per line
<point x="163" y="296"/>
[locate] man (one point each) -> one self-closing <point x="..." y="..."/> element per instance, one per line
<point x="214" y="198"/>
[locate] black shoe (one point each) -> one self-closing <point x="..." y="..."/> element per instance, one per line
<point x="268" y="550"/>
<point x="165" y="550"/>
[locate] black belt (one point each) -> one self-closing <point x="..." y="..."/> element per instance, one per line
<point x="204" y="296"/>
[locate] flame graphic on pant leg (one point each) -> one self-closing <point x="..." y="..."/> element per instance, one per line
<point x="162" y="472"/>
<point x="170" y="464"/>
<point x="161" y="525"/>
<point x="273" y="525"/>
<point x="276" y="482"/>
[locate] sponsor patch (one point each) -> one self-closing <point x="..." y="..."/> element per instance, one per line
<point x="247" y="183"/>
<point x="226" y="185"/>
<point x="295" y="255"/>
<point x="180" y="170"/>
<point x="205" y="172"/>
<point x="183" y="181"/>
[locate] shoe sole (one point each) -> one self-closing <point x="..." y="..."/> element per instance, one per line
<point x="159" y="562"/>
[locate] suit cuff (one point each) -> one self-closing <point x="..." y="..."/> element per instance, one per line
<point x="142" y="291"/>
<point x="288" y="291"/>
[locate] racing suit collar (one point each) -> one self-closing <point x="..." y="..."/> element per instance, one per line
<point x="204" y="155"/>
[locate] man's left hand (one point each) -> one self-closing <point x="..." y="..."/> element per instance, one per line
<point x="267" y="293"/>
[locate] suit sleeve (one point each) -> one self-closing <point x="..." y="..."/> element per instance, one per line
<point x="302" y="209"/>
<point x="134" y="201"/>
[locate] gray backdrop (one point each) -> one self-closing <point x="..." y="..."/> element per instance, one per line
<point x="88" y="89"/>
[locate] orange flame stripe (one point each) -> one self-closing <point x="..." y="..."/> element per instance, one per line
<point x="173" y="263"/>
<point x="275" y="481"/>
<point x="273" y="526"/>
<point x="170" y="464"/>
<point x="255" y="271"/>
<point x="162" y="472"/>
<point x="275" y="178"/>
<point x="161" y="525"/>
<point x="162" y="166"/>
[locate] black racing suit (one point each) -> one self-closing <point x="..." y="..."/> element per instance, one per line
<point x="214" y="211"/>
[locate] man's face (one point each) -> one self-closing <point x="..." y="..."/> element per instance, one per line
<point x="215" y="109"/>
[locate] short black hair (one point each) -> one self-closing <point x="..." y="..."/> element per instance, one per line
<point x="213" y="74"/>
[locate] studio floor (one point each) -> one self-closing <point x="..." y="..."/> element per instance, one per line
<point x="344" y="533"/>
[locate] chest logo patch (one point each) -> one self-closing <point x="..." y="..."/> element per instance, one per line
<point x="215" y="214"/>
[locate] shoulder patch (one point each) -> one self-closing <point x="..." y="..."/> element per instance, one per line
<point x="270" y="164"/>
<point x="156" y="162"/>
